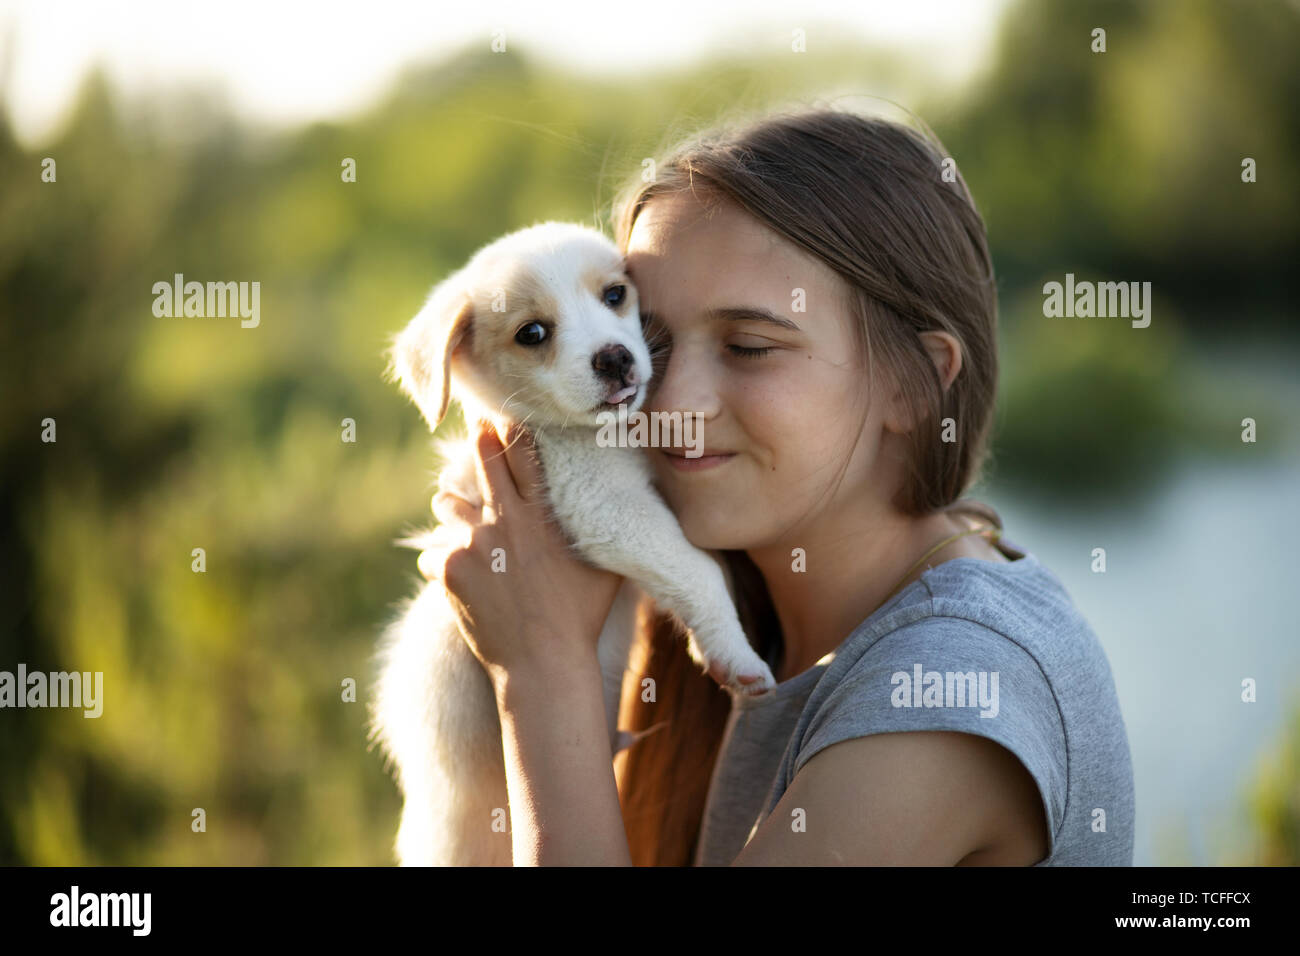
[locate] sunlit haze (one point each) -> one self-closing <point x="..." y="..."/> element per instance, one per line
<point x="290" y="62"/>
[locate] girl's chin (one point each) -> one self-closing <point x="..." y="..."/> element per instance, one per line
<point x="709" y="522"/>
<point x="708" y="536"/>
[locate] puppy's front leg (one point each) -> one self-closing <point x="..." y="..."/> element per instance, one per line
<point x="650" y="549"/>
<point x="603" y="499"/>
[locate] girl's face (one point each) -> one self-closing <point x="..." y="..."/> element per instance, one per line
<point x="780" y="391"/>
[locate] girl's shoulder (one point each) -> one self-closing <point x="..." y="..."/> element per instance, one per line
<point x="1020" y="600"/>
<point x="995" y="649"/>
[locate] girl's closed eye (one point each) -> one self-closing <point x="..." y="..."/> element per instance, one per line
<point x="751" y="348"/>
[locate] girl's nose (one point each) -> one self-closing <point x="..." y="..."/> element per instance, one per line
<point x="686" y="385"/>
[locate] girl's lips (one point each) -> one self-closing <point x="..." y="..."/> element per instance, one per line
<point x="682" y="463"/>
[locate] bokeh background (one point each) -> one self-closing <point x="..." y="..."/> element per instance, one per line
<point x="223" y="689"/>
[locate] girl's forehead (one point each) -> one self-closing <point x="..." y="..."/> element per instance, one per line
<point x="689" y="240"/>
<point x="676" y="237"/>
<point x="682" y="216"/>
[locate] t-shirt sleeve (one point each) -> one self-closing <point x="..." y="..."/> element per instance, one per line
<point x="953" y="674"/>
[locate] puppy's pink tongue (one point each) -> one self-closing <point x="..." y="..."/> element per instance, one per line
<point x="621" y="395"/>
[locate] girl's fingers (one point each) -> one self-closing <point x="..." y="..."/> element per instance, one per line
<point x="436" y="544"/>
<point x="450" y="508"/>
<point x="430" y="564"/>
<point x="444" y="538"/>
<point x="521" y="456"/>
<point x="495" y="481"/>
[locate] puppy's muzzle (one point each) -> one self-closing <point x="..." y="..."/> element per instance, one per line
<point x="615" y="366"/>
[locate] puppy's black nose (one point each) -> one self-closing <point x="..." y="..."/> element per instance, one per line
<point x="613" y="362"/>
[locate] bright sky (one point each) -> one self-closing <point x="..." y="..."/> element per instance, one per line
<point x="287" y="61"/>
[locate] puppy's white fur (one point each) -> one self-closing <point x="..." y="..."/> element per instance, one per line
<point x="435" y="712"/>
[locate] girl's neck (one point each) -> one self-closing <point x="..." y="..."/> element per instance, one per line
<point x="849" y="569"/>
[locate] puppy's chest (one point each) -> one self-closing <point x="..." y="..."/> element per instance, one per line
<point x="586" y="484"/>
<point x="590" y="484"/>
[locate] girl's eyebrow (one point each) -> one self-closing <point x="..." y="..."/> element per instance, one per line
<point x="751" y="313"/>
<point x="745" y="313"/>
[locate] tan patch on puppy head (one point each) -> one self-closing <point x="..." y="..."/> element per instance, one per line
<point x="527" y="299"/>
<point x="597" y="279"/>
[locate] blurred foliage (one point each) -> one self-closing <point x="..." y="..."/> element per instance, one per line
<point x="223" y="689"/>
<point x="1274" y="804"/>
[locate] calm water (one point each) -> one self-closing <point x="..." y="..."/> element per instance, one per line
<point x="1199" y="593"/>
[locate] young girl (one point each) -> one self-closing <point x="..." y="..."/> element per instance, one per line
<point x="821" y="292"/>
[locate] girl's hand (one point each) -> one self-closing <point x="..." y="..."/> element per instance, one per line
<point x="525" y="603"/>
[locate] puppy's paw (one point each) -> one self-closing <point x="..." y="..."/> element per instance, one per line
<point x="749" y="679"/>
<point x="725" y="653"/>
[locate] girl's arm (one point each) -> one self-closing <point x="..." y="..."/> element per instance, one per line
<point x="917" y="798"/>
<point x="532" y="613"/>
<point x="564" y="808"/>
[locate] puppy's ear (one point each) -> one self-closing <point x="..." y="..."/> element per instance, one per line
<point x="421" y="356"/>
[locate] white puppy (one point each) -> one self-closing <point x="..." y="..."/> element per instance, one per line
<point x="541" y="326"/>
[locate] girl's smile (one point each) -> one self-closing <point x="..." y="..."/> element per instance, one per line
<point x="703" y="463"/>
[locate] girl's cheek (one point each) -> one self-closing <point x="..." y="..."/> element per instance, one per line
<point x="782" y="420"/>
<point x="770" y="402"/>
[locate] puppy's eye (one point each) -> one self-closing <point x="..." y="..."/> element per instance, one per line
<point x="534" y="333"/>
<point x="614" y="296"/>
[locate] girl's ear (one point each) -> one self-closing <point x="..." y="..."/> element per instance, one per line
<point x="421" y="356"/>
<point x="945" y="352"/>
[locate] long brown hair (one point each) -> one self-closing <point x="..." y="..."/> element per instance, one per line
<point x="884" y="207"/>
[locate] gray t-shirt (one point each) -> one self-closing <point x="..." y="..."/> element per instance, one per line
<point x="973" y="646"/>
